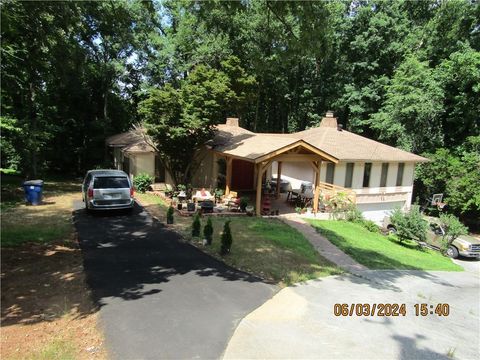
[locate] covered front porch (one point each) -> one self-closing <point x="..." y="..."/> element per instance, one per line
<point x="250" y="171"/>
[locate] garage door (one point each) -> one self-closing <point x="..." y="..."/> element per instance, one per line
<point x="377" y="211"/>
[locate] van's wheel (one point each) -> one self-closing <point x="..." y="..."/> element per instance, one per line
<point x="452" y="252"/>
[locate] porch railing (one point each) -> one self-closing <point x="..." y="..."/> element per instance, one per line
<point x="330" y="190"/>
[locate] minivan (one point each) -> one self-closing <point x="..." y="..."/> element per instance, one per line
<point x="107" y="190"/>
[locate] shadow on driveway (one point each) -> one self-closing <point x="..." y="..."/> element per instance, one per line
<point x="160" y="297"/>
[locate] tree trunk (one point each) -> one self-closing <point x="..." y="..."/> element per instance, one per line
<point x="33" y="129"/>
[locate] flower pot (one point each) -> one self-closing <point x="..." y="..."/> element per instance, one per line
<point x="179" y="206"/>
<point x="191" y="206"/>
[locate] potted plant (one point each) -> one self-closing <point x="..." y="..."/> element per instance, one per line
<point x="249" y="209"/>
<point x="218" y="194"/>
<point x="191" y="206"/>
<point x="243" y="203"/>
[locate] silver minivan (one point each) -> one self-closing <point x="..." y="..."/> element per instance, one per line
<point x="107" y="189"/>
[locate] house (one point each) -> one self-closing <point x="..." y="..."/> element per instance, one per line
<point x="379" y="177"/>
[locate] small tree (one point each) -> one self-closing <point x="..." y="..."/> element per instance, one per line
<point x="453" y="228"/>
<point x="142" y="182"/>
<point x="196" y="225"/>
<point x="409" y="225"/>
<point x="170" y="212"/>
<point x="226" y="239"/>
<point x="208" y="231"/>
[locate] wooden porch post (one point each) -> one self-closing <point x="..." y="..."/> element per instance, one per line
<point x="279" y="178"/>
<point x="317" y="187"/>
<point x="228" y="184"/>
<point x="258" y="204"/>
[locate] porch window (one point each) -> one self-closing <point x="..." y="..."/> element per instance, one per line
<point x="349" y="175"/>
<point x="383" y="177"/>
<point x="366" y="174"/>
<point x="330" y="173"/>
<point x="401" y="167"/>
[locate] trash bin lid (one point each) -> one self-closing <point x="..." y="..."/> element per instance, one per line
<point x="33" y="182"/>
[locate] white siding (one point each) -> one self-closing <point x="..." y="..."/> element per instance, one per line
<point x="142" y="163"/>
<point x="294" y="172"/>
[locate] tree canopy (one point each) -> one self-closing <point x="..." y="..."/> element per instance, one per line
<point x="72" y="73"/>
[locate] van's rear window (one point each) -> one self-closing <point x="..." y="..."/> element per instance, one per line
<point x="110" y="182"/>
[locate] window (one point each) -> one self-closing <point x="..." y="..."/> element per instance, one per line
<point x="111" y="182"/>
<point x="383" y="177"/>
<point x="366" y="174"/>
<point x="401" y="167"/>
<point x="330" y="173"/>
<point x="349" y="175"/>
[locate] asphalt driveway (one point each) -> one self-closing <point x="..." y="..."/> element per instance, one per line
<point x="298" y="322"/>
<point x="158" y="296"/>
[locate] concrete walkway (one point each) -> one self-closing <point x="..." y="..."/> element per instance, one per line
<point x="323" y="246"/>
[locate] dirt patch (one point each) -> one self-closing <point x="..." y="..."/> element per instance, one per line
<point x="46" y="306"/>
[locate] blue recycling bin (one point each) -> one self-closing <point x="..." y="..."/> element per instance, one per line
<point x="33" y="191"/>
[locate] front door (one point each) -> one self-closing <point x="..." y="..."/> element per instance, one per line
<point x="242" y="175"/>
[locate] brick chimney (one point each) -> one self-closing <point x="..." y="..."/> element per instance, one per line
<point x="232" y="122"/>
<point x="329" y="120"/>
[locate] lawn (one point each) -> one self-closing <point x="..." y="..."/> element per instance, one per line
<point x="377" y="251"/>
<point x="264" y="247"/>
<point x="51" y="221"/>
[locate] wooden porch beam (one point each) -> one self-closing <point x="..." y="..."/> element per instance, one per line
<point x="297" y="157"/>
<point x="228" y="184"/>
<point x="258" y="202"/>
<point x="317" y="188"/>
<point x="279" y="178"/>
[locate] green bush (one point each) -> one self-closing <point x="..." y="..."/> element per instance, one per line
<point x="226" y="239"/>
<point x="142" y="182"/>
<point x="170" y="212"/>
<point x="353" y="214"/>
<point x="453" y="228"/>
<point x="196" y="225"/>
<point x="243" y="203"/>
<point x="370" y="226"/>
<point x="409" y="225"/>
<point x="208" y="231"/>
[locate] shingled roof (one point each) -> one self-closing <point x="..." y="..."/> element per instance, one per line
<point x="130" y="141"/>
<point x="328" y="138"/>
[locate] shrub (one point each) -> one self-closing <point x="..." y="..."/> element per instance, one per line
<point x="170" y="212"/>
<point x="226" y="239"/>
<point x="453" y="228"/>
<point x="409" y="225"/>
<point x="142" y="182"/>
<point x="353" y="214"/>
<point x="196" y="225"/>
<point x="370" y="226"/>
<point x="208" y="231"/>
<point x="243" y="203"/>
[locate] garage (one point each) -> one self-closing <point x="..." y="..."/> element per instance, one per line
<point x="377" y="211"/>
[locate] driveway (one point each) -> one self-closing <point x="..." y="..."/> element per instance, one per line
<point x="299" y="323"/>
<point x="158" y="296"/>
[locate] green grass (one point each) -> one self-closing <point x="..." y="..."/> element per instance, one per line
<point x="58" y="349"/>
<point x="270" y="249"/>
<point x="264" y="247"/>
<point x="14" y="236"/>
<point x="377" y="251"/>
<point x="45" y="223"/>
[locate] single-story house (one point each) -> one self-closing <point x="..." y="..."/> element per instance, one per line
<point x="379" y="176"/>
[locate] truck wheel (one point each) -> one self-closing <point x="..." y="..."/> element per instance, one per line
<point x="392" y="230"/>
<point x="452" y="252"/>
